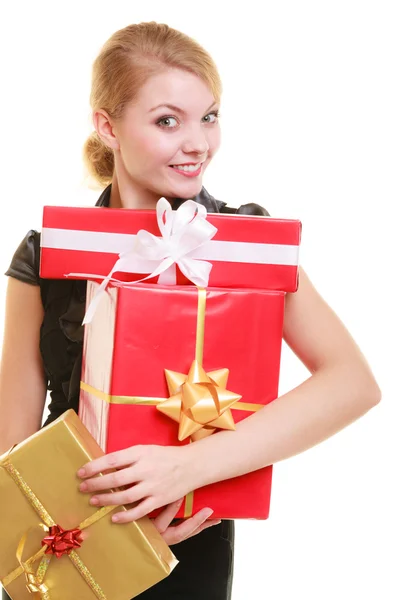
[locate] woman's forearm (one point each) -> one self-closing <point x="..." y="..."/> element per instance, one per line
<point x="325" y="403"/>
<point x="22" y="402"/>
<point x="23" y="384"/>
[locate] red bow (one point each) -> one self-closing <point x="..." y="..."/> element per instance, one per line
<point x="62" y="541"/>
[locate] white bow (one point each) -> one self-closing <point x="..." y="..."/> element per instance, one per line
<point x="182" y="232"/>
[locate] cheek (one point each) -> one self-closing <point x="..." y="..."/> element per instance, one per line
<point x="155" y="148"/>
<point x="214" y="140"/>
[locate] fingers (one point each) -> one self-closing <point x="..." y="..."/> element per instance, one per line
<point x="109" y="481"/>
<point x="132" y="494"/>
<point x="114" y="460"/>
<point x="189" y="527"/>
<point x="171" y="534"/>
<point x="163" y="520"/>
<point x="133" y="514"/>
<point x="205" y="525"/>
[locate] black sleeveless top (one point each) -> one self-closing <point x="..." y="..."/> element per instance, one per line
<point x="61" y="333"/>
<point x="206" y="560"/>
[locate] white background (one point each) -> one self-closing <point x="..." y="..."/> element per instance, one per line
<point x="310" y="122"/>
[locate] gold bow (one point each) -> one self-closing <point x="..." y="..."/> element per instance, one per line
<point x="199" y="401"/>
<point x="35" y="587"/>
<point x="34" y="581"/>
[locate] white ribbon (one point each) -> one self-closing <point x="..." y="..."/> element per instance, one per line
<point x="182" y="232"/>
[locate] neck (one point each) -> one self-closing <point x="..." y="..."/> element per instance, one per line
<point x="127" y="195"/>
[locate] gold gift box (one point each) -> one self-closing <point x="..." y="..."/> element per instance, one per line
<point x="114" y="562"/>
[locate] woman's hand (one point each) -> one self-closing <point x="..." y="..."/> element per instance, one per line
<point x="151" y="476"/>
<point x="185" y="529"/>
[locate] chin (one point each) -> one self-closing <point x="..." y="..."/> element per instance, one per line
<point x="181" y="187"/>
<point x="189" y="190"/>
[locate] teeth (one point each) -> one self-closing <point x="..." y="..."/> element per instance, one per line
<point x="189" y="168"/>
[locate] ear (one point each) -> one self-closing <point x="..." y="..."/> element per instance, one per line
<point x="104" y="126"/>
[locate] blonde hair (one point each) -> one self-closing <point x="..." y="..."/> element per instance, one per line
<point x="126" y="61"/>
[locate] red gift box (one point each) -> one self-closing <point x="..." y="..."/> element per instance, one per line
<point x="245" y="251"/>
<point x="138" y="332"/>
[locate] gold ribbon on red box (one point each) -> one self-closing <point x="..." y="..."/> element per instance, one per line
<point x="198" y="401"/>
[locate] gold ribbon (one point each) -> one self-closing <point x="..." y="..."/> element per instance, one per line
<point x="35" y="580"/>
<point x="152" y="400"/>
<point x="199" y="401"/>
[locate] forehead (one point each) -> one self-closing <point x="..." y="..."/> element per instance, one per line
<point x="174" y="86"/>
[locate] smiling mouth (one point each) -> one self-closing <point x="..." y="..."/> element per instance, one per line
<point x="187" y="168"/>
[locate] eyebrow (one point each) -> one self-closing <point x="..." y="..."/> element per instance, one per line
<point x="176" y="108"/>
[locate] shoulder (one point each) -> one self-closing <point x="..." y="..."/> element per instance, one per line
<point x="26" y="259"/>
<point x="249" y="208"/>
<point x="218" y="206"/>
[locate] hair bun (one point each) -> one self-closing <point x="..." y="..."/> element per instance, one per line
<point x="99" y="159"/>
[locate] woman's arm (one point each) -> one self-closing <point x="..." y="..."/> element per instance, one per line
<point x="22" y="380"/>
<point x="23" y="394"/>
<point x="340" y="389"/>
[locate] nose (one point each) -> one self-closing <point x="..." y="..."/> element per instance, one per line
<point x="195" y="142"/>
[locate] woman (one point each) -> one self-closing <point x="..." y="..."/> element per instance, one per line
<point x="155" y="100"/>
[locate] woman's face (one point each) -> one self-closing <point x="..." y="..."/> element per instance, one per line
<point x="172" y="123"/>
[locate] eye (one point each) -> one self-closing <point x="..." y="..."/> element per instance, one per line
<point x="165" y="122"/>
<point x="214" y="114"/>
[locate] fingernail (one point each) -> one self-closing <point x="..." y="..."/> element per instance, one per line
<point x="81" y="472"/>
<point x="208" y="512"/>
<point x="94" y="500"/>
<point x="83" y="487"/>
<point x="115" y="518"/>
<point x="212" y="522"/>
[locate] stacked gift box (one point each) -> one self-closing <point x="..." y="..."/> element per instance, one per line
<point x="166" y="361"/>
<point x="183" y="336"/>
